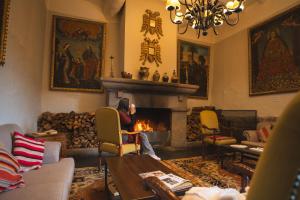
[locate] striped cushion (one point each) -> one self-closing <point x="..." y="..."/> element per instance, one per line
<point x="9" y="168"/>
<point x="29" y="152"/>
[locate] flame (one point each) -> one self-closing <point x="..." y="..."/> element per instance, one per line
<point x="142" y="125"/>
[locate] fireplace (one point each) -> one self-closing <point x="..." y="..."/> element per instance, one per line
<point x="156" y="122"/>
<point x="168" y="102"/>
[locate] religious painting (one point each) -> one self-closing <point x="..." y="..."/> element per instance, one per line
<point x="78" y="54"/>
<point x="193" y="66"/>
<point x="274" y="48"/>
<point x="4" y="14"/>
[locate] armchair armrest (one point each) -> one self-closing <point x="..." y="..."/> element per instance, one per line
<point x="129" y="133"/>
<point x="52" y="152"/>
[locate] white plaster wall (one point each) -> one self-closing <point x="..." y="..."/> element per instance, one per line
<point x="58" y="101"/>
<point x="231" y="80"/>
<point x="20" y="78"/>
<point x="133" y="38"/>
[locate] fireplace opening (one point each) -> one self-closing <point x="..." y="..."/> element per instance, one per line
<point x="156" y="122"/>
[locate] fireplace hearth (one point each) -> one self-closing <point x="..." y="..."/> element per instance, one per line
<point x="156" y="122"/>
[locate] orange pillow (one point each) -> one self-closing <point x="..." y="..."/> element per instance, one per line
<point x="264" y="133"/>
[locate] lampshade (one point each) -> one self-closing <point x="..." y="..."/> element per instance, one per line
<point x="172" y="4"/>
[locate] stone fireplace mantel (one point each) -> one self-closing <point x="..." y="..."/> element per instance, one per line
<point x="130" y="85"/>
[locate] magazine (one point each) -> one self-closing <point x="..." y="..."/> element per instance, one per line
<point x="173" y="182"/>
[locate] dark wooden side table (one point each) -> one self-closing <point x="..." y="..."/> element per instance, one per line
<point x="125" y="174"/>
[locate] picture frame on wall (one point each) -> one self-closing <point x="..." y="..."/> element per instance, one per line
<point x="4" y="13"/>
<point x="274" y="54"/>
<point x="78" y="52"/>
<point x="193" y="66"/>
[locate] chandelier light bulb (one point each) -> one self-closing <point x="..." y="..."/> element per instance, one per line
<point x="172" y="5"/>
<point x="188" y="15"/>
<point x="178" y="18"/>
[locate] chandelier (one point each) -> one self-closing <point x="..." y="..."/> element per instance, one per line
<point x="202" y="15"/>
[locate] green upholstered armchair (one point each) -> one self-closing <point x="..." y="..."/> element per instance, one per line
<point x="277" y="168"/>
<point x="110" y="134"/>
<point x="210" y="132"/>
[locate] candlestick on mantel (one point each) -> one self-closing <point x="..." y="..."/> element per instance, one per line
<point x="111" y="66"/>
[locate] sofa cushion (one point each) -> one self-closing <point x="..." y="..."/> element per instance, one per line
<point x="264" y="133"/>
<point x="28" y="151"/>
<point x="51" y="182"/>
<point x="44" y="191"/>
<point x="254" y="144"/>
<point x="9" y="168"/>
<point x="5" y="135"/>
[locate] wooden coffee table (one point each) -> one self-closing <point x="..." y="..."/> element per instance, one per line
<point x="125" y="174"/>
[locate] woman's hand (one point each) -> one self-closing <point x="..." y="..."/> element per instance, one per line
<point x="132" y="109"/>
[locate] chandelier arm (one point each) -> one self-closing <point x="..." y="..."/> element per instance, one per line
<point x="172" y="18"/>
<point x="188" y="5"/>
<point x="215" y="31"/>
<point x="186" y="28"/>
<point x="198" y="35"/>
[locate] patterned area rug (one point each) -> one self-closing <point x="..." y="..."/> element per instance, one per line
<point x="204" y="173"/>
<point x="88" y="183"/>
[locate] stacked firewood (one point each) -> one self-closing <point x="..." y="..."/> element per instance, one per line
<point x="79" y="127"/>
<point x="193" y="128"/>
<point x="193" y="123"/>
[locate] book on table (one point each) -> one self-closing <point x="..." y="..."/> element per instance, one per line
<point x="173" y="182"/>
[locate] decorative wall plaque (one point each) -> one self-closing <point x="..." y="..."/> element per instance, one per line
<point x="150" y="51"/>
<point x="152" y="23"/>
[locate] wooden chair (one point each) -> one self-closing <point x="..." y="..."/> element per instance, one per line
<point x="210" y="131"/>
<point x="110" y="134"/>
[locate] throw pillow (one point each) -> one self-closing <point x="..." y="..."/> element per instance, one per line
<point x="264" y="133"/>
<point x="9" y="168"/>
<point x="28" y="151"/>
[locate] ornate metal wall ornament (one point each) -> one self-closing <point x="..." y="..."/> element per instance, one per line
<point x="152" y="23"/>
<point x="150" y="50"/>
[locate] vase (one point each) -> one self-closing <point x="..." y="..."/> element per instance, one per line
<point x="156" y="76"/>
<point x="165" y="78"/>
<point x="144" y="73"/>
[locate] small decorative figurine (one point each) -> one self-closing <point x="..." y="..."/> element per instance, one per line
<point x="165" y="78"/>
<point x="174" y="78"/>
<point x="156" y="76"/>
<point x="126" y="75"/>
<point x="144" y="73"/>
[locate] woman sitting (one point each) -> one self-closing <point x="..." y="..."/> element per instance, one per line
<point x="127" y="118"/>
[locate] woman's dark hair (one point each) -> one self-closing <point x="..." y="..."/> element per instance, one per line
<point x="123" y="105"/>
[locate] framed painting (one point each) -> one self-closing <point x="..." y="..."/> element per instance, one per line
<point x="274" y="48"/>
<point x="193" y="66"/>
<point x="4" y="14"/>
<point x="77" y="54"/>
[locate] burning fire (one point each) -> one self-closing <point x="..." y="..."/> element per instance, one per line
<point x="143" y="125"/>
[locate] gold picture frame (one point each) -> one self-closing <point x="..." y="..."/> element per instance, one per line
<point x="273" y="48"/>
<point x="78" y="54"/>
<point x="4" y="13"/>
<point x="193" y="66"/>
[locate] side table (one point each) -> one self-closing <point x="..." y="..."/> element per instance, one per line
<point x="60" y="137"/>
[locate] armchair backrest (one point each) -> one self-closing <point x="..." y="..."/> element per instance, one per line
<point x="279" y="163"/>
<point x="108" y="125"/>
<point x="209" y="119"/>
